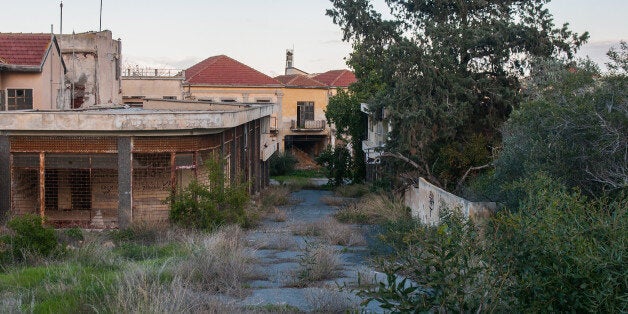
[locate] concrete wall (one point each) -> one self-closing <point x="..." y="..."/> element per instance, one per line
<point x="152" y="87"/>
<point x="427" y="201"/>
<point x="48" y="86"/>
<point x="93" y="67"/>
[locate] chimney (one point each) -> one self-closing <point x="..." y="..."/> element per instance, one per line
<point x="289" y="59"/>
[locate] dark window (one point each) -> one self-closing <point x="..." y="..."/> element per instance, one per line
<point x="305" y="112"/>
<point x="227" y="99"/>
<point x="262" y="100"/>
<point x="2" y="100"/>
<point x="170" y="97"/>
<point x="19" y="99"/>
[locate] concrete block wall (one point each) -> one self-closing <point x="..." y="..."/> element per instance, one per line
<point x="427" y="201"/>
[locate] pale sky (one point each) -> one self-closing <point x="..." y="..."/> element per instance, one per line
<point x="177" y="34"/>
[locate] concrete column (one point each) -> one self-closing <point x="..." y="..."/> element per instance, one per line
<point x="5" y="177"/>
<point x="125" y="182"/>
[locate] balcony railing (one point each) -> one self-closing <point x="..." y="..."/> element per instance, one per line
<point x="308" y="125"/>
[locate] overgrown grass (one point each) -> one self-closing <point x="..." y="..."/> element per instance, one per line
<point x="139" y="270"/>
<point x="374" y="209"/>
<point x="352" y="190"/>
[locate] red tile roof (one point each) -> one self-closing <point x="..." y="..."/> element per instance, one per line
<point x="224" y="71"/>
<point x="298" y="80"/>
<point x="24" y="49"/>
<point x="336" y="78"/>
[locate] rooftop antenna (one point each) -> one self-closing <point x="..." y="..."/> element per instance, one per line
<point x="100" y="25"/>
<point x="61" y="22"/>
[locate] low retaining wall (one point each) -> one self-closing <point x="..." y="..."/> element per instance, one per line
<point x="426" y="202"/>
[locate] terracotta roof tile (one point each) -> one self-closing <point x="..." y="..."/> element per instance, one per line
<point x="336" y="78"/>
<point x="222" y="70"/>
<point x="298" y="80"/>
<point x="23" y="49"/>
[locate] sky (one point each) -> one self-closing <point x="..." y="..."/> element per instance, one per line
<point x="177" y="34"/>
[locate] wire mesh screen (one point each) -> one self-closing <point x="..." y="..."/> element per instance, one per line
<point x="25" y="184"/>
<point x="151" y="186"/>
<point x="80" y="190"/>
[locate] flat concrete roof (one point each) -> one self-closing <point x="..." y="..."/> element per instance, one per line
<point x="131" y="119"/>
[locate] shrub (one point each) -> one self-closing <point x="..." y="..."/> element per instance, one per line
<point x="281" y="164"/>
<point x="207" y="206"/>
<point x="443" y="268"/>
<point x="338" y="163"/>
<point x="30" y="236"/>
<point x="563" y="251"/>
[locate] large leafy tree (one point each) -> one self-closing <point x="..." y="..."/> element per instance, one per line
<point x="573" y="127"/>
<point x="448" y="72"/>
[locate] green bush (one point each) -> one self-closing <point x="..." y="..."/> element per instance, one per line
<point x="563" y="252"/>
<point x="207" y="206"/>
<point x="442" y="266"/>
<point x="29" y="236"/>
<point x="281" y="164"/>
<point x="337" y="161"/>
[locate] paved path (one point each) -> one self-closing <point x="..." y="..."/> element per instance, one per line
<point x="279" y="253"/>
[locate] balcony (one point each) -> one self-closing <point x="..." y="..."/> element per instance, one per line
<point x="308" y="125"/>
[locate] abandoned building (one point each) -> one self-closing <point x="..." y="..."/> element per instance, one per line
<point x="303" y="126"/>
<point x="31" y="72"/>
<point x="93" y="62"/>
<point x="107" y="167"/>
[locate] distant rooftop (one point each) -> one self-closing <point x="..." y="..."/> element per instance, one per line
<point x="336" y="78"/>
<point x="224" y="71"/>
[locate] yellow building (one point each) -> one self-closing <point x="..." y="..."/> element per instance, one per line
<point x="303" y="124"/>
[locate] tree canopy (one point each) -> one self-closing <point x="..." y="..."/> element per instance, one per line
<point x="448" y="71"/>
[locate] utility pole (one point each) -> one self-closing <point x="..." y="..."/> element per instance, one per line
<point x="100" y="25"/>
<point x="61" y="22"/>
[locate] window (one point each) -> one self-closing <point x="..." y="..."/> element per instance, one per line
<point x="170" y="97"/>
<point x="227" y="99"/>
<point x="262" y="100"/>
<point x="19" y="99"/>
<point x="305" y="112"/>
<point x="2" y="100"/>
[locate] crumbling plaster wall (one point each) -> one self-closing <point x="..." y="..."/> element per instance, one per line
<point x="93" y="67"/>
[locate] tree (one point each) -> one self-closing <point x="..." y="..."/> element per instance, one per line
<point x="448" y="72"/>
<point x="344" y="112"/>
<point x="573" y="126"/>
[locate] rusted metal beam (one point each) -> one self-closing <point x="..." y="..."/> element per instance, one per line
<point x="173" y="172"/>
<point x="42" y="184"/>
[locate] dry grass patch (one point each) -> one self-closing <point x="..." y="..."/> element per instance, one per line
<point x="332" y="231"/>
<point x="331" y="301"/>
<point x="146" y="290"/>
<point x="275" y="196"/>
<point x="374" y="209"/>
<point x="353" y="190"/>
<point x="275" y="241"/>
<point x="318" y="262"/>
<point x="337" y="201"/>
<point x="340" y="234"/>
<point x="218" y="262"/>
